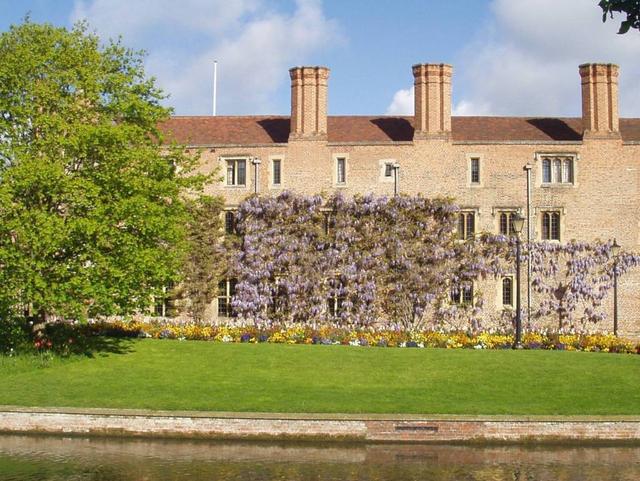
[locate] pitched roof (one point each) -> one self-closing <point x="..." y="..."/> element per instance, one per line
<point x="270" y="129"/>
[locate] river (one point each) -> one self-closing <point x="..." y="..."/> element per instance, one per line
<point x="48" y="458"/>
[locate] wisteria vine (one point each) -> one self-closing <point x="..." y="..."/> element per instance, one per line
<point x="369" y="259"/>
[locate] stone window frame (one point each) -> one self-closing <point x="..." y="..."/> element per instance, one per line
<point x="382" y="166"/>
<point x="461" y="294"/>
<point x="501" y="292"/>
<point x="164" y="306"/>
<point x="539" y="212"/>
<point x="229" y="291"/>
<point x="465" y="211"/>
<point x="336" y="158"/>
<point x="470" y="157"/>
<point x="224" y="160"/>
<point x="499" y="211"/>
<point x="281" y="185"/>
<point x="562" y="157"/>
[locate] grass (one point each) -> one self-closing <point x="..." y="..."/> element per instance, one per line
<point x="194" y="375"/>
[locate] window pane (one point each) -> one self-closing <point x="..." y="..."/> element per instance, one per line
<point x="461" y="233"/>
<point x="507" y="291"/>
<point x="229" y="222"/>
<point x="471" y="225"/>
<point x="555" y="225"/>
<point x="230" y="172"/>
<point x="546" y="171"/>
<point x="276" y="172"/>
<point x="545" y="226"/>
<point x="567" y="171"/>
<point x="454" y="294"/>
<point x="341" y="177"/>
<point x="388" y="170"/>
<point x="557" y="167"/>
<point x="222" y="288"/>
<point x="504" y="224"/>
<point x="224" y="309"/>
<point x="467" y="294"/>
<point x="475" y="171"/>
<point x="242" y="172"/>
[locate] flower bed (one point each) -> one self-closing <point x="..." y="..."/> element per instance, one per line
<point x="331" y="335"/>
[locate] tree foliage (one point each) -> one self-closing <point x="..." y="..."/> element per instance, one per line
<point x="629" y="7"/>
<point x="92" y="219"/>
<point x="207" y="260"/>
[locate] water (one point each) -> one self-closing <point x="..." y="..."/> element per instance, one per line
<point x="26" y="458"/>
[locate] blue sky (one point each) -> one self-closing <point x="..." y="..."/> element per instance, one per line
<point x="510" y="57"/>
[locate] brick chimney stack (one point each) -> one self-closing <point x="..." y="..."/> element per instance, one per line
<point x="309" y="103"/>
<point x="432" y="101"/>
<point x="600" y="100"/>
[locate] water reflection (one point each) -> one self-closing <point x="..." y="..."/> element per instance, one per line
<point x="27" y="458"/>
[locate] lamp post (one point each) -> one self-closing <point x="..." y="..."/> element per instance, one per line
<point x="256" y="162"/>
<point x="615" y="249"/>
<point x="528" y="169"/>
<point x="396" y="178"/>
<point x="518" y="224"/>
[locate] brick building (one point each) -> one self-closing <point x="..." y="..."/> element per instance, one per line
<point x="584" y="171"/>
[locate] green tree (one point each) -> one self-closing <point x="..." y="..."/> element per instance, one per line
<point x="92" y="217"/>
<point x="207" y="261"/>
<point x="630" y="7"/>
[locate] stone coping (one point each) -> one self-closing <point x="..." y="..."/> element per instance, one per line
<point x="367" y="428"/>
<point x="322" y="416"/>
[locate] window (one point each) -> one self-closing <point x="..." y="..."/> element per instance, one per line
<point x="236" y="172"/>
<point x="462" y="295"/>
<point x="551" y="225"/>
<point x="546" y="171"/>
<point x="507" y="291"/>
<point x="226" y="291"/>
<point x="466" y="225"/>
<point x="335" y="302"/>
<point x="276" y="165"/>
<point x="567" y="171"/>
<point x="328" y="223"/>
<point x="335" y="306"/>
<point x="475" y="170"/>
<point x="558" y="170"/>
<point x="506" y="223"/>
<point x="341" y="170"/>
<point x="164" y="304"/>
<point x="229" y="222"/>
<point x="388" y="170"/>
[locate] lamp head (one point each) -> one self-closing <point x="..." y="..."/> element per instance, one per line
<point x="518" y="223"/>
<point x="615" y="248"/>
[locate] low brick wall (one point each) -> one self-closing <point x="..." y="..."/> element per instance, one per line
<point x="407" y="429"/>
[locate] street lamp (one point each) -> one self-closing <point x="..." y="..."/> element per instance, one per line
<point x="518" y="223"/>
<point x="256" y="162"/>
<point x="615" y="250"/>
<point x="396" y="179"/>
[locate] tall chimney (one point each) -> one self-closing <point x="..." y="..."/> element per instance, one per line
<point x="600" y="100"/>
<point x="308" y="103"/>
<point x="432" y="100"/>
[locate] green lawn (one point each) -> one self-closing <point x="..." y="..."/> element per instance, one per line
<point x="193" y="375"/>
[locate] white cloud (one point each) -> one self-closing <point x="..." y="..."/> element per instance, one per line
<point x="253" y="43"/>
<point x="402" y="103"/>
<point x="525" y="62"/>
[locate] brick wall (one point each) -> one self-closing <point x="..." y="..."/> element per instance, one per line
<point x="601" y="204"/>
<point x="380" y="429"/>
